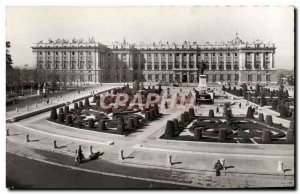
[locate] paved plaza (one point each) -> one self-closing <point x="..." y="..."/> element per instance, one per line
<point x="247" y="165"/>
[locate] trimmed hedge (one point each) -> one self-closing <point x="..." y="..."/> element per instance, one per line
<point x="170" y="130"/>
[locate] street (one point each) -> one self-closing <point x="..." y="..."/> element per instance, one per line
<point x="23" y="173"/>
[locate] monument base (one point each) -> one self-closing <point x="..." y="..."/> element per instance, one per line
<point x="202" y="83"/>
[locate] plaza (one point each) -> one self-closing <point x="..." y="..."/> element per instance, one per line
<point x="248" y="165"/>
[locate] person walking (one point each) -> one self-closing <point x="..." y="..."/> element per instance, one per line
<point x="218" y="166"/>
<point x="80" y="154"/>
<point x="217" y="111"/>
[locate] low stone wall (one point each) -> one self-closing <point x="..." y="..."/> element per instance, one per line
<point x="36" y="112"/>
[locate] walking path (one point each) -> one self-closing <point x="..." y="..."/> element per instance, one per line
<point x="192" y="163"/>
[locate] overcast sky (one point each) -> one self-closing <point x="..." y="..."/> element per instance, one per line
<point x="27" y="25"/>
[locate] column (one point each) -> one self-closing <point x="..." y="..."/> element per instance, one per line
<point x="224" y="61"/>
<point x="139" y="62"/>
<point x="180" y="61"/>
<point x="195" y="61"/>
<point x="159" y="61"/>
<point x="167" y="63"/>
<point x="262" y="61"/>
<point x="187" y="61"/>
<point x="242" y="61"/>
<point x="209" y="60"/>
<point x="173" y="60"/>
<point x="231" y="61"/>
<point x="146" y="61"/>
<point x="217" y="61"/>
<point x="152" y="61"/>
<point x="272" y="61"/>
<point x="130" y="61"/>
<point x="253" y="61"/>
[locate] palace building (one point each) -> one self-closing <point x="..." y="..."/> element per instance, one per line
<point x="234" y="62"/>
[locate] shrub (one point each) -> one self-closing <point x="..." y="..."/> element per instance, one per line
<point x="80" y="104"/>
<point x="186" y="114"/>
<point x="94" y="98"/>
<point x="152" y="116"/>
<point x="147" y="116"/>
<point x="274" y="104"/>
<point x="283" y="112"/>
<point x="222" y="136"/>
<point x="60" y="111"/>
<point x="249" y="113"/>
<point x="91" y="123"/>
<point x="262" y="100"/>
<point x="75" y="106"/>
<point x="257" y="100"/>
<point x="170" y="130"/>
<point x="269" y="120"/>
<point x="67" y="110"/>
<point x="69" y="119"/>
<point x="223" y="88"/>
<point x="136" y="121"/>
<point x="191" y="112"/>
<point x="266" y="136"/>
<point x="53" y="114"/>
<point x="182" y="118"/>
<point x="130" y="124"/>
<point x="102" y="126"/>
<point x="156" y="110"/>
<point x="121" y="126"/>
<point x="86" y="102"/>
<point x="176" y="124"/>
<point x="78" y="122"/>
<point x="261" y="117"/>
<point x="211" y="113"/>
<point x="279" y="107"/>
<point x="227" y="113"/>
<point x="198" y="133"/>
<point x="61" y="117"/>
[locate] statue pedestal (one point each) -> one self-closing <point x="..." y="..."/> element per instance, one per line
<point x="202" y="82"/>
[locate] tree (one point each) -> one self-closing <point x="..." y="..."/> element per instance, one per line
<point x="244" y="86"/>
<point x="262" y="100"/>
<point x="274" y="104"/>
<point x="257" y="90"/>
<point x="280" y="88"/>
<point x="283" y="112"/>
<point x="223" y="88"/>
<point x="291" y="80"/>
<point x="9" y="60"/>
<point x="227" y="113"/>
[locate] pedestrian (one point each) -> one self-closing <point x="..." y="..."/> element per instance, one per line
<point x="218" y="166"/>
<point x="240" y="105"/>
<point x="166" y="105"/>
<point x="80" y="155"/>
<point x="217" y="110"/>
<point x="48" y="101"/>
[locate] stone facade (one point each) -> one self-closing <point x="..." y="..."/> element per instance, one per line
<point x="233" y="62"/>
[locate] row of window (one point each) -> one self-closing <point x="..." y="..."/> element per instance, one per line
<point x="65" y="53"/>
<point x="229" y="77"/>
<point x="258" y="77"/>
<point x="72" y="65"/>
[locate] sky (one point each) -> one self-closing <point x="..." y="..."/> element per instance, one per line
<point x="27" y="25"/>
